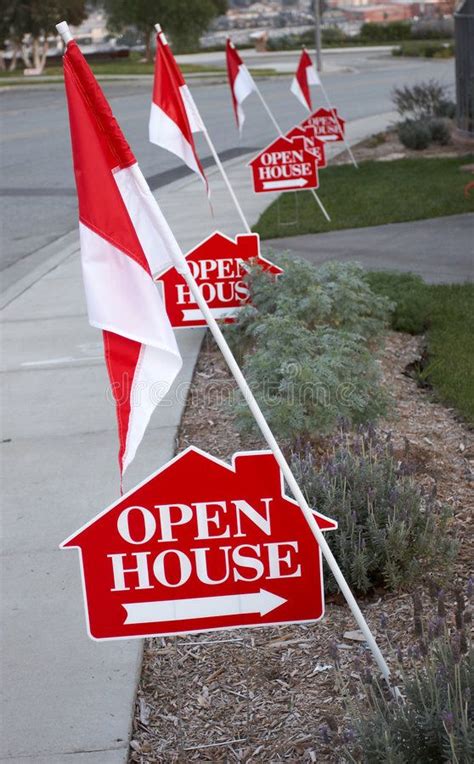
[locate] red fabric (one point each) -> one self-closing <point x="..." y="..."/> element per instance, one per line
<point x="121" y="356"/>
<point x="302" y="76"/>
<point x="233" y="63"/>
<point x="166" y="94"/>
<point x="98" y="147"/>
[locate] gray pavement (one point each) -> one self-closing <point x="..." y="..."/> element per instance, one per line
<point x="63" y="696"/>
<point x="439" y="250"/>
<point x="36" y="186"/>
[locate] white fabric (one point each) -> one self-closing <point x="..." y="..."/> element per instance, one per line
<point x="243" y="86"/>
<point x="313" y="79"/>
<point x="194" y="118"/>
<point x="122" y="298"/>
<point x="166" y="133"/>
<point x="154" y="234"/>
<point x="296" y="90"/>
<point x="312" y="75"/>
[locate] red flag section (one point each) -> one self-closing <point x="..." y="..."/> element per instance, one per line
<point x="240" y="82"/>
<point x="124" y="238"/>
<point x="305" y="76"/>
<point x="173" y="116"/>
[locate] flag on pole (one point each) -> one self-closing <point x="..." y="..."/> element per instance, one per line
<point x="174" y="116"/>
<point x="124" y="240"/>
<point x="240" y="81"/>
<point x="305" y="76"/>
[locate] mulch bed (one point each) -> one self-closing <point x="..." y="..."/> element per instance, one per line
<point x="274" y="694"/>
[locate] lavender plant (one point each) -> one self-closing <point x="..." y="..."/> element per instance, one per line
<point x="433" y="720"/>
<point x="389" y="531"/>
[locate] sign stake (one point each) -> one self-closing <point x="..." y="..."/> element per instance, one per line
<point x="331" y="108"/>
<point x="279" y="131"/>
<point x="182" y="267"/>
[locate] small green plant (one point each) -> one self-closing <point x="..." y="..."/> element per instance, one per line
<point x="439" y="128"/>
<point x="389" y="532"/>
<point x="433" y="718"/>
<point x="414" y="135"/>
<point x="423" y="101"/>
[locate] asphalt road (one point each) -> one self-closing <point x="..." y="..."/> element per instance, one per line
<point x="37" y="186"/>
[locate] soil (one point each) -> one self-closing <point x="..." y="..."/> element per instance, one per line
<point x="276" y="694"/>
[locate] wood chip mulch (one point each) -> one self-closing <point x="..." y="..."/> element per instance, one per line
<point x="275" y="694"/>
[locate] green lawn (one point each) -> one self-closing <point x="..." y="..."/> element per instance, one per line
<point x="375" y="194"/>
<point x="446" y="313"/>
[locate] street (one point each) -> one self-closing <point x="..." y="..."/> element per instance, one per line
<point x="39" y="198"/>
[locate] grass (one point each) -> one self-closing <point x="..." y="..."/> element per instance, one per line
<point x="133" y="65"/>
<point x="446" y="313"/>
<point x="375" y="194"/>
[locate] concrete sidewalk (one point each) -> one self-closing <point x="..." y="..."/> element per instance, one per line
<point x="439" y="250"/>
<point x="64" y="697"/>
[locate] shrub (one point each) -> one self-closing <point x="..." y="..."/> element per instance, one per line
<point x="336" y="295"/>
<point x="395" y="30"/>
<point x="440" y="131"/>
<point x="423" y="101"/>
<point x="303" y="344"/>
<point x="414" y="135"/>
<point x="389" y="532"/>
<point x="305" y="380"/>
<point x="433" y="721"/>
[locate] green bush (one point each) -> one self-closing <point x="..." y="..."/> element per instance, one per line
<point x="303" y="343"/>
<point x="394" y="30"/>
<point x="433" y="720"/>
<point x="337" y="295"/>
<point x="389" y="532"/>
<point x="440" y="130"/>
<point x="423" y="101"/>
<point x="305" y="380"/>
<point x="414" y="135"/>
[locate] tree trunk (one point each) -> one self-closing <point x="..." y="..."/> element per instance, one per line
<point x="148" y="46"/>
<point x="43" y="55"/>
<point x="25" y="56"/>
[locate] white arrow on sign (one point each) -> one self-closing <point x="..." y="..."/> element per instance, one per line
<point x="275" y="184"/>
<point x="262" y="602"/>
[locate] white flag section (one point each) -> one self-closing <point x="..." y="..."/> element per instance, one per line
<point x="124" y="239"/>
<point x="174" y="116"/>
<point x="305" y="76"/>
<point x="240" y="81"/>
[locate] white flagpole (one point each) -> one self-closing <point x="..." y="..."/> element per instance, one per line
<point x="216" y="156"/>
<point x="348" y="148"/>
<point x="279" y="131"/>
<point x="182" y="267"/>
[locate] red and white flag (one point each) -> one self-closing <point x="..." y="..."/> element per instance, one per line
<point x="124" y="240"/>
<point x="174" y="116"/>
<point x="240" y="81"/>
<point x="305" y="76"/>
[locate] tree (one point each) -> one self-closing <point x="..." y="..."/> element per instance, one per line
<point x="37" y="19"/>
<point x="184" y="20"/>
